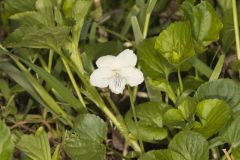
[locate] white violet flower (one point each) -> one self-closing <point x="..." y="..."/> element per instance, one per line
<point x="117" y="71"/>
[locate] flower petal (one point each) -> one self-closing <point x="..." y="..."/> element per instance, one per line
<point x="133" y="76"/>
<point x="106" y="61"/>
<point x="117" y="84"/>
<point x="126" y="59"/>
<point x="100" y="77"/>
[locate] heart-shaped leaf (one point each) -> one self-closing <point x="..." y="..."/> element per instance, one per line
<point x="206" y="25"/>
<point x="150" y="123"/>
<point x="213" y="115"/>
<point x="175" y="43"/>
<point x="174" y="117"/>
<point x="152" y="62"/>
<point x="85" y="139"/>
<point x="232" y="133"/>
<point x="191" y="145"/>
<point x="182" y="114"/>
<point x="225" y="89"/>
<point x="188" y="107"/>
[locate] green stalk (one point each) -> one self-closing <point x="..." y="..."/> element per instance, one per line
<point x="50" y="60"/>
<point x="131" y="96"/>
<point x="146" y="24"/>
<point x="236" y="28"/>
<point x="180" y="79"/>
<point x="122" y="128"/>
<point x="76" y="57"/>
<point x="75" y="86"/>
<point x="115" y="109"/>
<point x="151" y="4"/>
<point x="42" y="61"/>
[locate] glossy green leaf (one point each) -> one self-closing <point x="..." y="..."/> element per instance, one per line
<point x="85" y="139"/>
<point x="174" y="117"/>
<point x="213" y="115"/>
<point x="164" y="154"/>
<point x="152" y="62"/>
<point x="232" y="133"/>
<point x="191" y="145"/>
<point x="180" y="116"/>
<point x="225" y="89"/>
<point x="175" y="43"/>
<point x="150" y="123"/>
<point x="6" y="143"/>
<point x="206" y="25"/>
<point x="35" y="146"/>
<point x="188" y="108"/>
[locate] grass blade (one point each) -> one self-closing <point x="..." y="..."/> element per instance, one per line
<point x="218" y="68"/>
<point x="62" y="91"/>
<point x="201" y="67"/>
<point x="31" y="85"/>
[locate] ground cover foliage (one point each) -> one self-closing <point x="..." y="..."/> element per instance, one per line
<point x="187" y="108"/>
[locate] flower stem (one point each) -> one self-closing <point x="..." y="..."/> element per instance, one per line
<point x="180" y="79"/>
<point x="74" y="84"/>
<point x="131" y="96"/>
<point x="146" y="24"/>
<point x="122" y="128"/>
<point x="236" y="28"/>
<point x="115" y="109"/>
